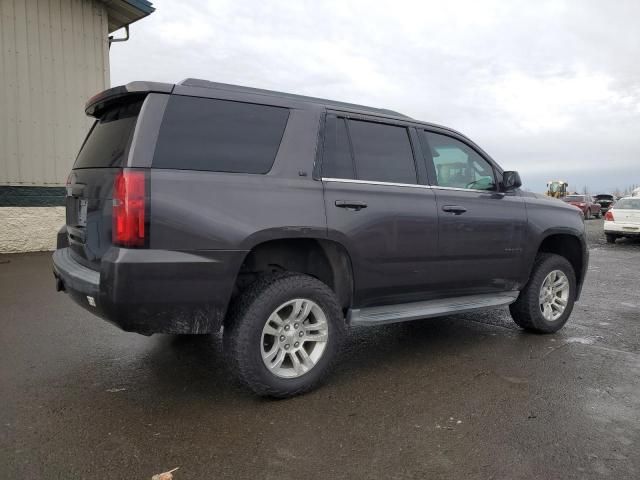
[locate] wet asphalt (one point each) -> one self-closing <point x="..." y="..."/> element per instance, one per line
<point x="467" y="396"/>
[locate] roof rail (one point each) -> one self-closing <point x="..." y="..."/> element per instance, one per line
<point x="196" y="82"/>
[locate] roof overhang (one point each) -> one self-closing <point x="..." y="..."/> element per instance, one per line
<point x="124" y="12"/>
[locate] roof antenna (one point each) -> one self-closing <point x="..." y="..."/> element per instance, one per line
<point x="123" y="39"/>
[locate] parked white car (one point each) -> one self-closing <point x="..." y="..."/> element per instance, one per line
<point x="623" y="219"/>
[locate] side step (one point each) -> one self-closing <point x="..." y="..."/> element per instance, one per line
<point x="431" y="308"/>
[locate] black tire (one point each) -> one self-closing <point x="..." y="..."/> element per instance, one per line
<point x="599" y="214"/>
<point x="610" y="238"/>
<point x="526" y="312"/>
<point x="247" y="317"/>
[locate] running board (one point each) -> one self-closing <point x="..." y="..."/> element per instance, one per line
<point x="431" y="308"/>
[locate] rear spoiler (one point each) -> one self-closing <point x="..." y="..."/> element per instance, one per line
<point x="100" y="101"/>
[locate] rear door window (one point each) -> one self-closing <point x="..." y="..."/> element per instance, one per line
<point x="382" y="152"/>
<point x="337" y="161"/>
<point x="219" y="135"/>
<point x="107" y="144"/>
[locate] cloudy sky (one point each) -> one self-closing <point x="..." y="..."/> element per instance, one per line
<point x="549" y="88"/>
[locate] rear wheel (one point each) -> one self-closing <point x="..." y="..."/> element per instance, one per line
<point x="599" y="214"/>
<point x="587" y="216"/>
<point x="546" y="302"/>
<point x="610" y="238"/>
<point x="283" y="334"/>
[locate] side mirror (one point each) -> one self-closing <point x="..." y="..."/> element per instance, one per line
<point x="511" y="181"/>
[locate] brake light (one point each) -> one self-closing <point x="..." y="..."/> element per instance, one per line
<point x="129" y="206"/>
<point x="608" y="217"/>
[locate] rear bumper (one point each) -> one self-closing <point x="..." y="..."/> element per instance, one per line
<point x="76" y="279"/>
<point x="619" y="228"/>
<point x="153" y="291"/>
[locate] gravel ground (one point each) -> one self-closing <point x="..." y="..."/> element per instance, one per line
<point x="467" y="396"/>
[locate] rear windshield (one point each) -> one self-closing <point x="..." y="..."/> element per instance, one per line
<point x="574" y="198"/>
<point x="219" y="135"/>
<point x="108" y="141"/>
<point x="628" y="204"/>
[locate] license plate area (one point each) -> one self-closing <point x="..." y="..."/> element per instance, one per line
<point x="82" y="212"/>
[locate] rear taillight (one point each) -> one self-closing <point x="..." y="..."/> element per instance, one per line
<point x="129" y="206"/>
<point x="608" y="217"/>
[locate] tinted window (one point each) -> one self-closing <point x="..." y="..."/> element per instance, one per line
<point x="108" y="141"/>
<point x="457" y="165"/>
<point x="336" y="161"/>
<point x="219" y="135"/>
<point x="382" y="152"/>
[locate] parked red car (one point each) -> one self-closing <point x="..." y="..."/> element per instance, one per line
<point x="586" y="204"/>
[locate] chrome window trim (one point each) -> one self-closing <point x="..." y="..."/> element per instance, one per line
<point x="373" y="182"/>
<point x="437" y="187"/>
<point x="410" y="185"/>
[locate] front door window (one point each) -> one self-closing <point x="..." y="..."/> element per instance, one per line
<point x="457" y="165"/>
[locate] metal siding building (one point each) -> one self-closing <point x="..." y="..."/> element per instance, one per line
<point x="54" y="55"/>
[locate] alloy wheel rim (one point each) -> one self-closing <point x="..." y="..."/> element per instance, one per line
<point x="554" y="295"/>
<point x="294" y="338"/>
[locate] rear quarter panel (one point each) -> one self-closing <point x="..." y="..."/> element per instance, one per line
<point x="221" y="211"/>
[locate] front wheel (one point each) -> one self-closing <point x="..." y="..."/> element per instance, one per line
<point x="283" y="334"/>
<point x="546" y="302"/>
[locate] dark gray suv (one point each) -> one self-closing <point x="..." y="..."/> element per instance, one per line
<point x="284" y="219"/>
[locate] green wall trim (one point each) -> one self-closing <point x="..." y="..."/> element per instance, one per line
<point x="11" y="196"/>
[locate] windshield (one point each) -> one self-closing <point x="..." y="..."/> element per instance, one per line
<point x="628" y="204"/>
<point x="574" y="198"/>
<point x="108" y="141"/>
<point x="554" y="187"/>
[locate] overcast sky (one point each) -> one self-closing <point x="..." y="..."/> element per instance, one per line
<point x="551" y="89"/>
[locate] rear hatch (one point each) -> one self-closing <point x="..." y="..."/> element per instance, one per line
<point x="90" y="185"/>
<point x="604" y="201"/>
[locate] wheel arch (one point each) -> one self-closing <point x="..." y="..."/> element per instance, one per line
<point x="570" y="246"/>
<point x="326" y="260"/>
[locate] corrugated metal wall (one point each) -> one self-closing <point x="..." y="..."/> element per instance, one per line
<point x="53" y="57"/>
